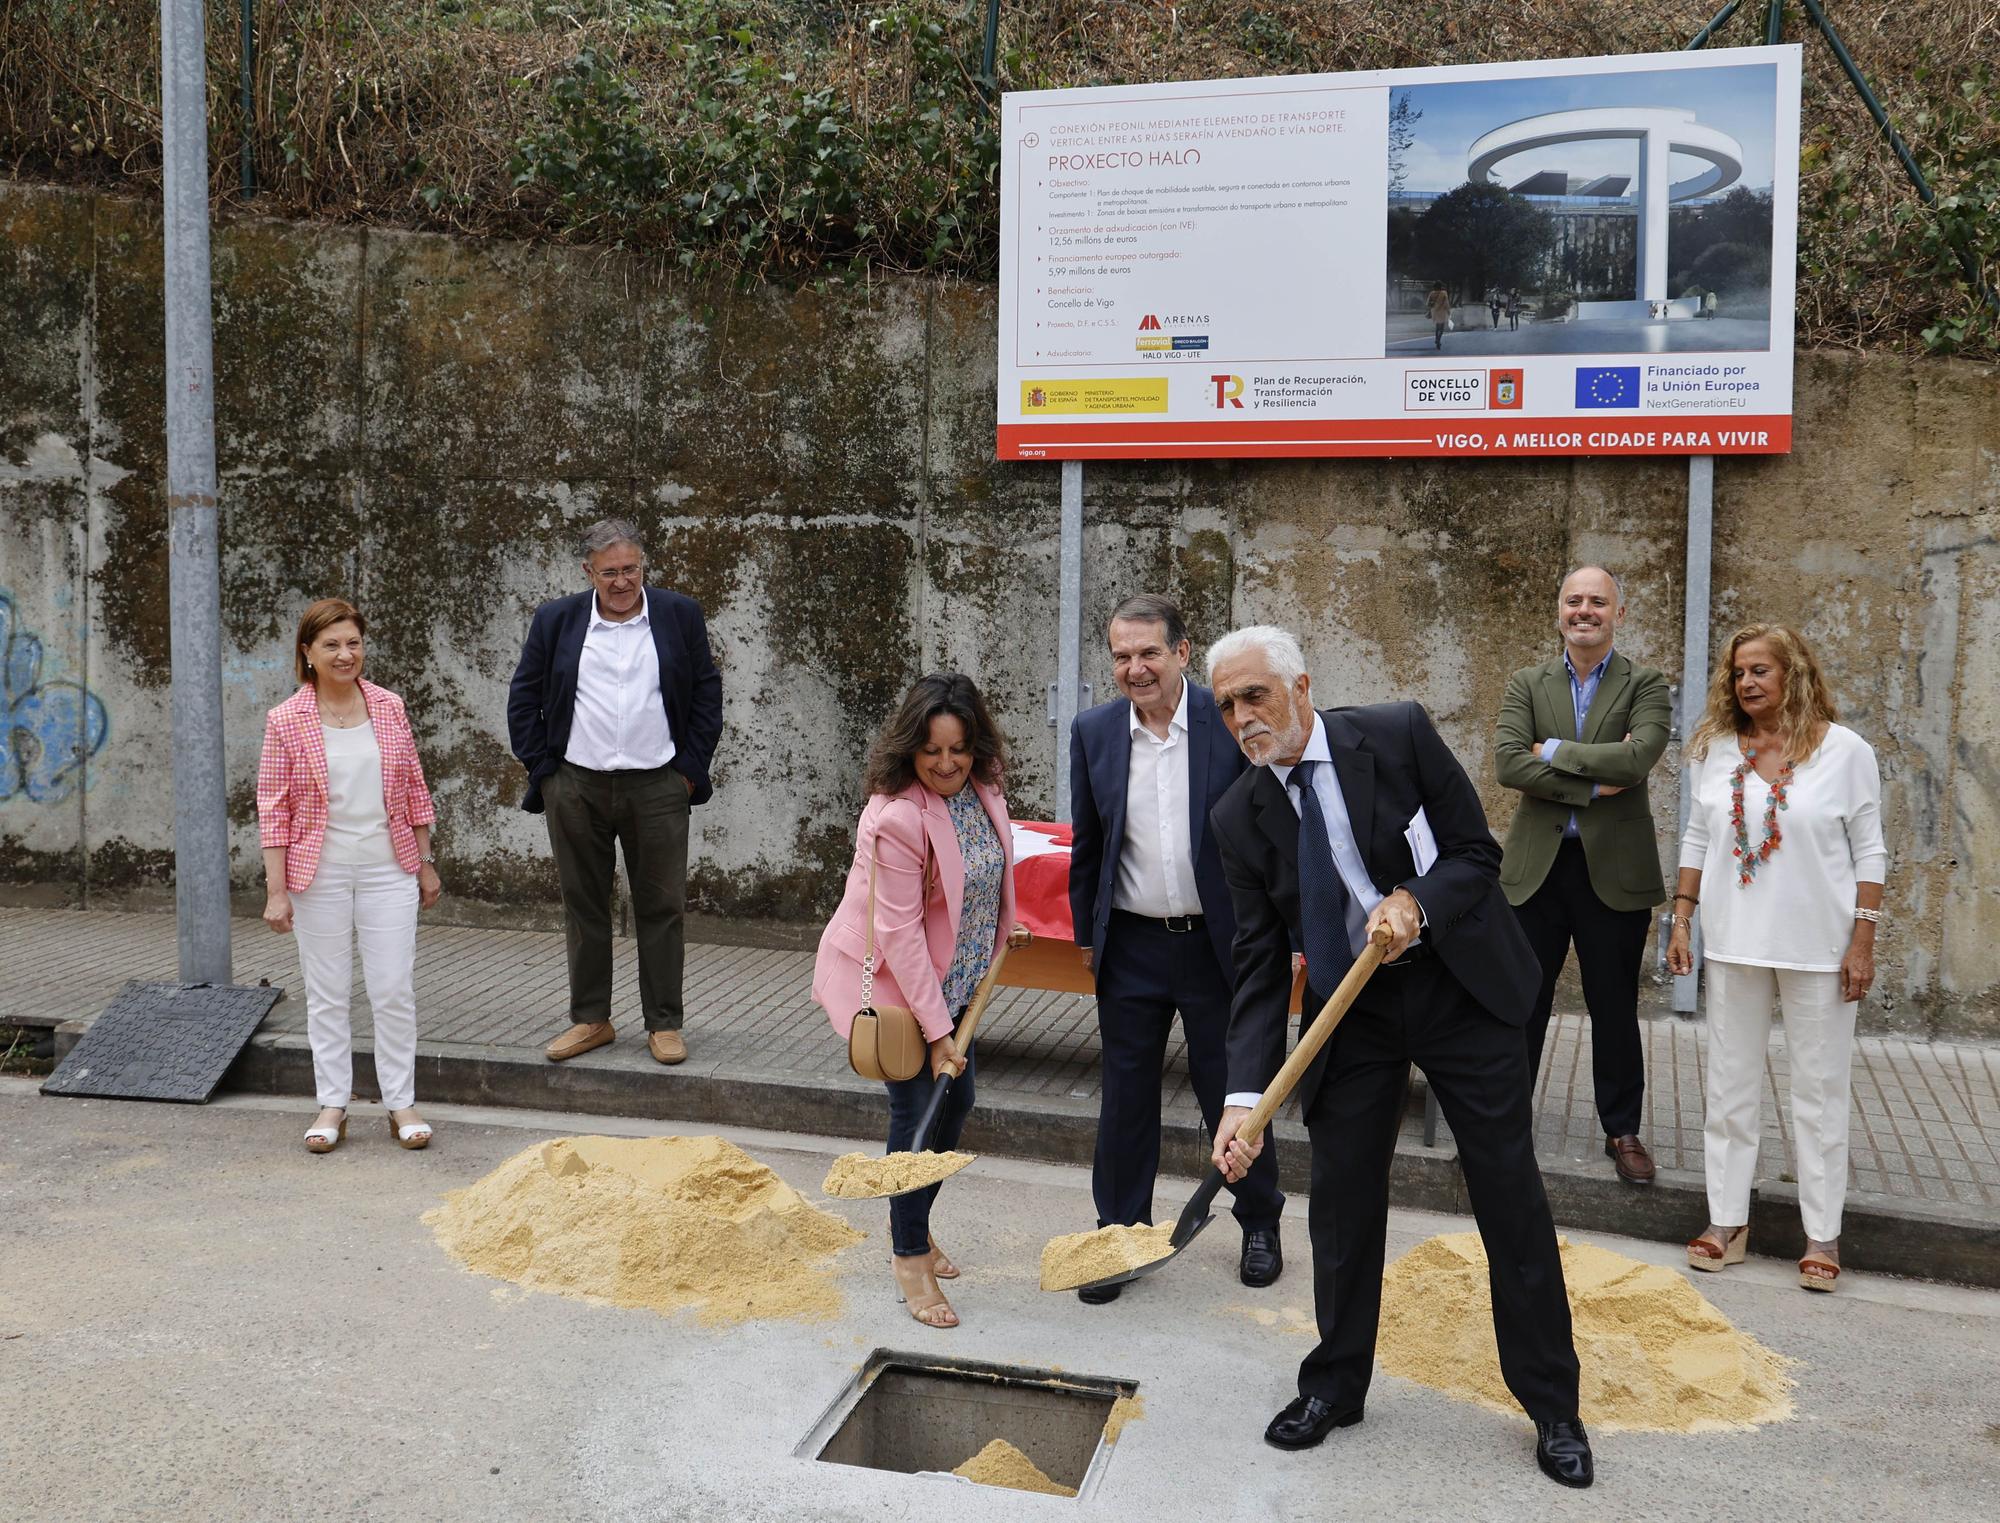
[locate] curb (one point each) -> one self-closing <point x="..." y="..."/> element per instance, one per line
<point x="1880" y="1234"/>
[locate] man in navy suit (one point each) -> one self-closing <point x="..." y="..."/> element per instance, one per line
<point x="615" y="710"/>
<point x="1350" y="819"/>
<point x="1153" y="917"/>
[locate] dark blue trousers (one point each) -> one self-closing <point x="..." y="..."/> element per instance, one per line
<point x="910" y="1215"/>
<point x="1478" y="1068"/>
<point x="1145" y="974"/>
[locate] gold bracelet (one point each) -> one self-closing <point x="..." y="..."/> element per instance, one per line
<point x="1683" y="923"/>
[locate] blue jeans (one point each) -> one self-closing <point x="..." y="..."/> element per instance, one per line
<point x="910" y="1215"/>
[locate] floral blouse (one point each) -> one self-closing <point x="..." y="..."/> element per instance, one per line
<point x="979" y="913"/>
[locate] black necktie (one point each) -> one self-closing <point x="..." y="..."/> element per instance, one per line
<point x="1323" y="896"/>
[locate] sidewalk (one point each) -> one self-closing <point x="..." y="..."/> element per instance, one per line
<point x="1924" y="1198"/>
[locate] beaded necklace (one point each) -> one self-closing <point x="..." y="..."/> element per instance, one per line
<point x="1747" y="859"/>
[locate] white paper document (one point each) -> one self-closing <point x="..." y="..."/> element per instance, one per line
<point x="1423" y="845"/>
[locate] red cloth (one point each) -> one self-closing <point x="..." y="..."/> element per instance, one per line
<point x="1041" y="878"/>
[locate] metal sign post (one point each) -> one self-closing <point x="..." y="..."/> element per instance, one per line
<point x="1068" y="693"/>
<point x="201" y="843"/>
<point x="1694" y="677"/>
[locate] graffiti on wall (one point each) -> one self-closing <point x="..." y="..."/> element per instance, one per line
<point x="48" y="730"/>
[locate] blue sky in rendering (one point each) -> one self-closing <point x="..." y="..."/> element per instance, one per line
<point x="1739" y="100"/>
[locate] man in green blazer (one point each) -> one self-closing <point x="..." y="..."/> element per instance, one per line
<point x="1577" y="736"/>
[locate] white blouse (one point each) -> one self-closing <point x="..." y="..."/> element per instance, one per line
<point x="1798" y="912"/>
<point x="357" y="813"/>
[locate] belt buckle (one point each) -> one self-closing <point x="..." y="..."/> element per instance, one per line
<point x="1186" y="924"/>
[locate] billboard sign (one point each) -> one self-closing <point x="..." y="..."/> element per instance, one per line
<point x="1567" y="257"/>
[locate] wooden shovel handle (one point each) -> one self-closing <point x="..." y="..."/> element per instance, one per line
<point x="1280" y="1088"/>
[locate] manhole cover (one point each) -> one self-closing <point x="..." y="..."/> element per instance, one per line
<point x="163" y="1042"/>
<point x="912" y="1412"/>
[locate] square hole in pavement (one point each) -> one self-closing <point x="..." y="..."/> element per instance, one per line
<point x="913" y="1412"/>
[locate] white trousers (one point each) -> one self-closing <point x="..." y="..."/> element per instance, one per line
<point x="374" y="904"/>
<point x="1819" y="1037"/>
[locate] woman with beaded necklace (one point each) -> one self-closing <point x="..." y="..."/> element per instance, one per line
<point x="1788" y="914"/>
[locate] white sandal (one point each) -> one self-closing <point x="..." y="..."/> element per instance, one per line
<point x="416" y="1135"/>
<point x="324" y="1139"/>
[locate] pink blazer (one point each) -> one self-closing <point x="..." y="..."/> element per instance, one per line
<point x="291" y="781"/>
<point x="916" y="922"/>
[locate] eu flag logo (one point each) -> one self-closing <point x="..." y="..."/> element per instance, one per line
<point x="1610" y="386"/>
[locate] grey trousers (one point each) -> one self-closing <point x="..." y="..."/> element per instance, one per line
<point x="646" y="813"/>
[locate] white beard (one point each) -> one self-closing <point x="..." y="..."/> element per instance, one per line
<point x="1276" y="743"/>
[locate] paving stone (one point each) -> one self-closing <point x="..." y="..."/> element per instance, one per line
<point x="750" y="1010"/>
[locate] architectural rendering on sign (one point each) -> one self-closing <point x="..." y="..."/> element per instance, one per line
<point x="1592" y="214"/>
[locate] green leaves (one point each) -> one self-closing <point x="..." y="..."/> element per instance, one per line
<point x="733" y="163"/>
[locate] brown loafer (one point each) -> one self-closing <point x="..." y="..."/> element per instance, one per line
<point x="666" y="1046"/>
<point x="1629" y="1157"/>
<point x="579" y="1039"/>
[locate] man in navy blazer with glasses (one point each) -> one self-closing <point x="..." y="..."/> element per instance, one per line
<point x="615" y="710"/>
<point x="1153" y="917"/>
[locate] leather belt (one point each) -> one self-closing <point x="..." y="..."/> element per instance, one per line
<point x="1179" y="925"/>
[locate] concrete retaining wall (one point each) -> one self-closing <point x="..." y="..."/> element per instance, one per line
<point x="423" y="424"/>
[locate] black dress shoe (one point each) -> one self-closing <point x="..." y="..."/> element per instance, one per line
<point x="1263" y="1260"/>
<point x="1562" y="1449"/>
<point x="1305" y="1421"/>
<point x="1099" y="1295"/>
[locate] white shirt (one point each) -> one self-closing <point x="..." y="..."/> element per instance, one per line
<point x="1156" y="861"/>
<point x="1362" y="895"/>
<point x="1798" y="912"/>
<point x="620" y="722"/>
<point x="357" y="814"/>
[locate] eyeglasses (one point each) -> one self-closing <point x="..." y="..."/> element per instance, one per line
<point x="619" y="573"/>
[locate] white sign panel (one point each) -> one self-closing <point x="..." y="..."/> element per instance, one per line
<point x="1575" y="256"/>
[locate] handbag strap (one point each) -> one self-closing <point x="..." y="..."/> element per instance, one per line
<point x="868" y="962"/>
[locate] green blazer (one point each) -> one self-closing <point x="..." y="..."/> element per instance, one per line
<point x="1617" y="832"/>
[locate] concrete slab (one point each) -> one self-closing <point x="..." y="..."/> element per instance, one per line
<point x="198" y="1319"/>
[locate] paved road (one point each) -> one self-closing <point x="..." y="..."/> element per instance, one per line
<point x="198" y="1320"/>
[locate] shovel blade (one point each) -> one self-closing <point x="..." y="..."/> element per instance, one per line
<point x="1180" y="1242"/>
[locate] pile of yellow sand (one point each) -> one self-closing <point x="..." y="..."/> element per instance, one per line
<point x="656" y="1222"/>
<point x="865" y="1176"/>
<point x="1001" y="1464"/>
<point x="1655" y="1356"/>
<point x="1126" y="1409"/>
<point x="1082" y="1258"/>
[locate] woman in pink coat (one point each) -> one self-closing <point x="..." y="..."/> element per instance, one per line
<point x="937" y="832"/>
<point x="345" y="820"/>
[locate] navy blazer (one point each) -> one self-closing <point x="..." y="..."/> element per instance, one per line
<point x="1390" y="762"/>
<point x="1100" y="754"/>
<point x="541" y="701"/>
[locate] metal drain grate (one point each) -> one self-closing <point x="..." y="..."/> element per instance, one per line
<point x="164" y="1042"/>
<point x="912" y="1412"/>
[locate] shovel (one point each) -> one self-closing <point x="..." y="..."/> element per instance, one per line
<point x="961" y="1044"/>
<point x="1195" y="1215"/>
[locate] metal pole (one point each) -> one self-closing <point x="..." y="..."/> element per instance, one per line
<point x="1694" y="675"/>
<point x="1069" y="634"/>
<point x="986" y="57"/>
<point x="248" y="176"/>
<point x="1774" y="23"/>
<point x="201" y="843"/>
<point x="1701" y="37"/>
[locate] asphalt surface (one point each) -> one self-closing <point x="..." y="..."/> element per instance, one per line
<point x="199" y="1320"/>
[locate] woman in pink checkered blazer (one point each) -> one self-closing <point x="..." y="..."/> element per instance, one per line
<point x="345" y="820"/>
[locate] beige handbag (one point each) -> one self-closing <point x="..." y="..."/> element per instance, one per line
<point x="885" y="1042"/>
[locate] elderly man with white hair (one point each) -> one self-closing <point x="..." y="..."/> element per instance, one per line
<point x="1349" y="819"/>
